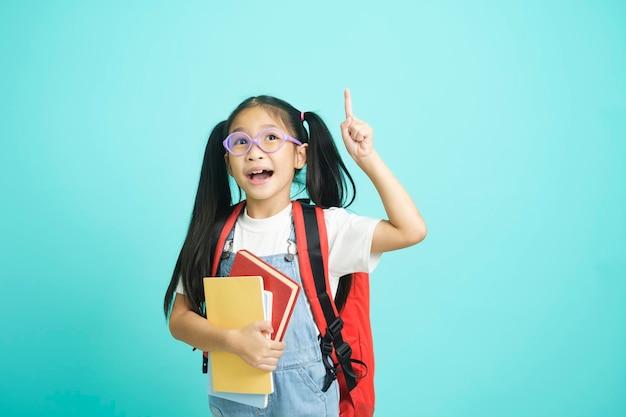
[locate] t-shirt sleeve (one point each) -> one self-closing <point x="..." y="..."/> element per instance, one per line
<point x="179" y="287"/>
<point x="350" y="242"/>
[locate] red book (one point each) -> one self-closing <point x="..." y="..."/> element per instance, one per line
<point x="284" y="290"/>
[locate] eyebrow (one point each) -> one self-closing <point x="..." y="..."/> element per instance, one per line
<point x="263" y="127"/>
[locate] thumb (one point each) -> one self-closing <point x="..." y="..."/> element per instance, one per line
<point x="265" y="327"/>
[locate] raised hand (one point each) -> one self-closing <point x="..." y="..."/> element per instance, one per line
<point x="357" y="135"/>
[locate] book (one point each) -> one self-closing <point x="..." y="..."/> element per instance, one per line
<point x="285" y="290"/>
<point x="254" y="400"/>
<point x="232" y="303"/>
<point x="268" y="299"/>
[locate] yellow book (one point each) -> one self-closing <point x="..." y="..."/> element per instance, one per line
<point x="233" y="303"/>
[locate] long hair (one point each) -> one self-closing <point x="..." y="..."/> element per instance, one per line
<point x="328" y="184"/>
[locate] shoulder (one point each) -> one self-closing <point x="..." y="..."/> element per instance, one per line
<point x="339" y="219"/>
<point x="334" y="213"/>
<point x="335" y="217"/>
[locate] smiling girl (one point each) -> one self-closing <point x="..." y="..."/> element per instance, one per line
<point x="264" y="146"/>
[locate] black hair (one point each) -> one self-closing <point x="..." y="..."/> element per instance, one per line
<point x="328" y="184"/>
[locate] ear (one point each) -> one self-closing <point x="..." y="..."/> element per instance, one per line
<point x="301" y="155"/>
<point x="227" y="160"/>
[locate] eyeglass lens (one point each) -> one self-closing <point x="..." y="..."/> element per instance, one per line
<point x="268" y="141"/>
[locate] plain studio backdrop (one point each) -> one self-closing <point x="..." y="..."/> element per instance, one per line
<point x="506" y="121"/>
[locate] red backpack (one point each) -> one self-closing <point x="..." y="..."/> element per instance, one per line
<point x="346" y="344"/>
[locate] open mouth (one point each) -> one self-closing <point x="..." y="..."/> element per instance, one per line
<point x="260" y="175"/>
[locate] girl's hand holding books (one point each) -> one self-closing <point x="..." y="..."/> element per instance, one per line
<point x="254" y="346"/>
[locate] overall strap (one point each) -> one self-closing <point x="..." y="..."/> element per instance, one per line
<point x="312" y="244"/>
<point x="223" y="226"/>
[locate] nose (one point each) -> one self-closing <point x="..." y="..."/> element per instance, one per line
<point x="255" y="152"/>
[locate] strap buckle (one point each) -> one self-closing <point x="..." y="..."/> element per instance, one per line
<point x="344" y="352"/>
<point x="334" y="329"/>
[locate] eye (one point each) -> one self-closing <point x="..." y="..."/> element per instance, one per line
<point x="238" y="140"/>
<point x="272" y="137"/>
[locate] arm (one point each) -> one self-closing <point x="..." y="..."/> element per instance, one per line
<point x="405" y="226"/>
<point x="250" y="342"/>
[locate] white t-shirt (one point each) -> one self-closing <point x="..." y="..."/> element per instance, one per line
<point x="349" y="240"/>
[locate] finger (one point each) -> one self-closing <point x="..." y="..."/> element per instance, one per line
<point x="278" y="346"/>
<point x="267" y="367"/>
<point x="358" y="130"/>
<point x="274" y="355"/>
<point x="360" y="135"/>
<point x="347" y="102"/>
<point x="345" y="127"/>
<point x="265" y="326"/>
<point x="359" y="125"/>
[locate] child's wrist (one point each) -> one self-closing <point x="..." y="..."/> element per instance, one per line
<point x="231" y="340"/>
<point x="369" y="161"/>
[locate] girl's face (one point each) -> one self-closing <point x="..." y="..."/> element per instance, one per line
<point x="265" y="177"/>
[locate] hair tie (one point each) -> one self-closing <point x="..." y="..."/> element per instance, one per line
<point x="302" y="116"/>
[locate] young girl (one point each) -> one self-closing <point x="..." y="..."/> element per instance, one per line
<point x="264" y="145"/>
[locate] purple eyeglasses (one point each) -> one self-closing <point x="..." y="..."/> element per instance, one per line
<point x="269" y="140"/>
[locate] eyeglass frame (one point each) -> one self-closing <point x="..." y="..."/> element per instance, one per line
<point x="258" y="142"/>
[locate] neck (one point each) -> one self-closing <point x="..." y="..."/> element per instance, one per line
<point x="262" y="209"/>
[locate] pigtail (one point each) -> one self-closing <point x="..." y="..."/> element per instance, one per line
<point x="213" y="199"/>
<point x="328" y="181"/>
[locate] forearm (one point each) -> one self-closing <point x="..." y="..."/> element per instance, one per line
<point x="193" y="329"/>
<point x="405" y="226"/>
<point x="251" y="342"/>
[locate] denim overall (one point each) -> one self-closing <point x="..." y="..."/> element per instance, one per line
<point x="300" y="373"/>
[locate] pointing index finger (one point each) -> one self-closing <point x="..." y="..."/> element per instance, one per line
<point x="348" y="102"/>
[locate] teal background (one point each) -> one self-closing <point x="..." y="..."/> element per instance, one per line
<point x="505" y="120"/>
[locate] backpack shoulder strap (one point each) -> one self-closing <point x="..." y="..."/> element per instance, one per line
<point x="312" y="245"/>
<point x="223" y="226"/>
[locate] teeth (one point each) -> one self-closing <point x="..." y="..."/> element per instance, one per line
<point x="257" y="172"/>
